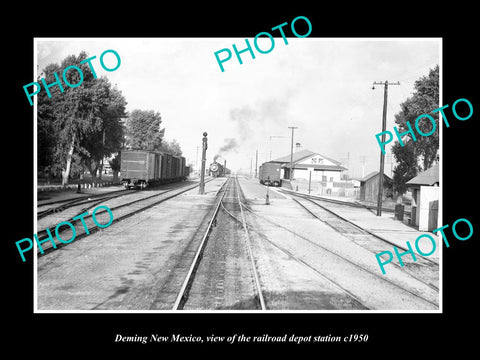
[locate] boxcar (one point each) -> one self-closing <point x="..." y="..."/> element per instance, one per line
<point x="269" y="174"/>
<point x="140" y="168"/>
<point x="137" y="168"/>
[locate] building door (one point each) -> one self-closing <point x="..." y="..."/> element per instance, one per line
<point x="432" y="215"/>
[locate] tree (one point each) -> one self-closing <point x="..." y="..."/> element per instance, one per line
<point x="115" y="165"/>
<point x="76" y="116"/>
<point x="107" y="138"/>
<point x="171" y="147"/>
<point x="407" y="165"/>
<point x="143" y="130"/>
<point x="424" y="150"/>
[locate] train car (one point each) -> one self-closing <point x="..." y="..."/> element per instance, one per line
<point x="142" y="168"/>
<point x="176" y="163"/>
<point x="183" y="168"/>
<point x="137" y="168"/>
<point x="269" y="174"/>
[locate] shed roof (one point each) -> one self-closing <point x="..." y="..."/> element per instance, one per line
<point x="373" y="174"/>
<point x="429" y="177"/>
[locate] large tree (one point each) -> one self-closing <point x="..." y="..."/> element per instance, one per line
<point x="417" y="155"/>
<point x="171" y="147"/>
<point x="107" y="138"/>
<point x="143" y="130"/>
<point x="407" y="165"/>
<point x="75" y="117"/>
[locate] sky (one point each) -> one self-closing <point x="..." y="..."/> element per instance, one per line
<point x="322" y="86"/>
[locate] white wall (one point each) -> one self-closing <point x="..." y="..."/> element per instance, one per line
<point x="317" y="175"/>
<point x="427" y="195"/>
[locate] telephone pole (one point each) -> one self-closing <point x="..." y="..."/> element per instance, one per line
<point x="382" y="156"/>
<point x="290" y="175"/>
<point x="363" y="157"/>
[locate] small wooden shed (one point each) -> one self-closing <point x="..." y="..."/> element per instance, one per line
<point x="425" y="196"/>
<point x="369" y="187"/>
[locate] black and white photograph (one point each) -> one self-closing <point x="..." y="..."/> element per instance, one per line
<point x="273" y="202"/>
<point x="271" y="186"/>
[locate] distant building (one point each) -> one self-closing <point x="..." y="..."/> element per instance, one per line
<point x="425" y="195"/>
<point x="356" y="182"/>
<point x="369" y="187"/>
<point x="322" y="168"/>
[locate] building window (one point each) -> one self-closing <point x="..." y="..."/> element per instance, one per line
<point x="324" y="178"/>
<point x="331" y="179"/>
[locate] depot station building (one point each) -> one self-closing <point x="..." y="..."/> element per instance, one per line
<point x="311" y="166"/>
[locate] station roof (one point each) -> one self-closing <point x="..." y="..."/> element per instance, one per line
<point x="301" y="155"/>
<point x="429" y="177"/>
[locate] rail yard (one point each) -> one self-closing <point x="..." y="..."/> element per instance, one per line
<point x="171" y="249"/>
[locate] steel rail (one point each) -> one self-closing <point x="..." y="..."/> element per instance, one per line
<point x="187" y="283"/>
<point x="297" y="259"/>
<point x="94" y="229"/>
<point x="356" y="226"/>
<point x="250" y="252"/>
<point x="342" y="257"/>
<point x="369" y="233"/>
<point x="95" y="199"/>
<point x="336" y="201"/>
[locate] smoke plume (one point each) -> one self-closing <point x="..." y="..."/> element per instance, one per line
<point x="253" y="122"/>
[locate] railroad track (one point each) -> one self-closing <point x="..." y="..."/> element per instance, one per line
<point x="340" y="202"/>
<point x="354" y="299"/>
<point x="120" y="212"/>
<point x="370" y="240"/>
<point x="230" y="203"/>
<point x="238" y="215"/>
<point x="92" y="200"/>
<point x="339" y="222"/>
<point x="358" y="268"/>
<point x="375" y="242"/>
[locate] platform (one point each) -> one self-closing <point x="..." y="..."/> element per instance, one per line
<point x="385" y="226"/>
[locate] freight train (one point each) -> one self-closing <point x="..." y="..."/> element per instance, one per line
<point x="142" y="168"/>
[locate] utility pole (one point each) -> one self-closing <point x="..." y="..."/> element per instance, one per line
<point x="201" y="189"/>
<point x="363" y="165"/>
<point x="382" y="156"/>
<point x="290" y="176"/>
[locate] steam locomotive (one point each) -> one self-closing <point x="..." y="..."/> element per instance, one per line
<point x="217" y="170"/>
